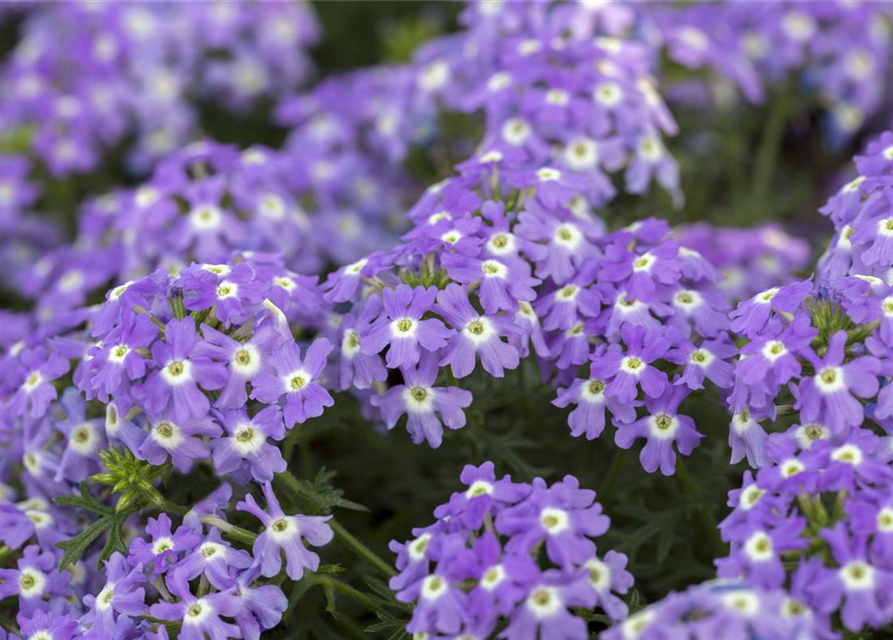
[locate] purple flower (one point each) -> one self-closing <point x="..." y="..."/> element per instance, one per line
<point x="401" y="327"/>
<point x="84" y="438"/>
<point x="475" y="334"/>
<point x="174" y="382"/>
<point x="502" y="283"/>
<point x="757" y="555"/>
<point x="706" y="360"/>
<point x="874" y="234"/>
<point x="642" y="274"/>
<point x="440" y="605"/>
<point x="661" y="429"/>
<point x="772" y="361"/>
<point x="752" y="316"/>
<point x="562" y="308"/>
<point x="568" y="241"/>
<point x="342" y="285"/>
<point x="32" y="518"/>
<point x="427" y="407"/>
<point x="563" y="515"/>
<point x="246" y="448"/>
<point x="860" y="585"/>
<point x="182" y="441"/>
<point x="829" y="394"/>
<point x="262" y="607"/>
<point x="35" y="578"/>
<point x="36" y="391"/>
<point x="120" y="595"/>
<point x="165" y="548"/>
<point x="705" y="310"/>
<point x="214" y="559"/>
<point x="200" y="617"/>
<point x="356" y="368"/>
<point x="609" y="575"/>
<point x="747" y="438"/>
<point x="42" y="624"/>
<point x="114" y="366"/>
<point x="502" y="579"/>
<point x="244" y="361"/>
<point x="290" y="376"/>
<point x="483" y="495"/>
<point x="229" y="293"/>
<point x="285" y="533"/>
<point x="589" y="415"/>
<point x="625" y="372"/>
<point x="545" y="609"/>
<point x="851" y="463"/>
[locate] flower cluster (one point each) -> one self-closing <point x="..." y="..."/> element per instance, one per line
<point x="195" y="577"/>
<point x="84" y="77"/>
<point x="519" y="552"/>
<point x="862" y="214"/>
<point x="819" y="521"/>
<point x="721" y="609"/>
<point x="835" y="51"/>
<point x="820" y="352"/>
<point x="172" y="363"/>
<point x="750" y="259"/>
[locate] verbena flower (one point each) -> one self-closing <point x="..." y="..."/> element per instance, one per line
<point x="295" y="379"/>
<point x="285" y="533"/>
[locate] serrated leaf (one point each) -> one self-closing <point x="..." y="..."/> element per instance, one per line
<point x="318" y="497"/>
<point x="75" y="547"/>
<point x="636" y="601"/>
<point x="84" y="501"/>
<point x="386" y="623"/>
<point x="114" y="542"/>
<point x="378" y="586"/>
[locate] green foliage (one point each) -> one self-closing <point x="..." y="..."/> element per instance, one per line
<point x="133" y="479"/>
<point x="110" y="521"/>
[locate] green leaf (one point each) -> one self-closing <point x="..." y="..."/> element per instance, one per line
<point x="395" y="626"/>
<point x="85" y="501"/>
<point x="114" y="542"/>
<point x="318" y="497"/>
<point x="378" y="586"/>
<point x="75" y="547"/>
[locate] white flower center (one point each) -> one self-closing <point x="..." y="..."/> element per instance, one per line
<point x="206" y="217"/>
<point x="663" y="426"/>
<point x="478" y="330"/>
<point x="857" y="576"/>
<point x="246" y="361"/>
<point x="849" y="454"/>
<point x="297" y="380"/>
<point x="479" y="488"/>
<point x="544" y="602"/>
<point x="433" y="587"/>
<point x="418" y="400"/>
<point x="492" y="577"/>
<point x="554" y="520"/>
<point x="759" y="547"/>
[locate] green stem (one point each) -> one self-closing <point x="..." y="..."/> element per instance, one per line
<point x="361" y="549"/>
<point x="177" y="307"/>
<point x="173" y="507"/>
<point x="770" y="144"/>
<point x="231" y="531"/>
<point x="327" y="582"/>
<point x="707" y="519"/>
<point x="6" y="552"/>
